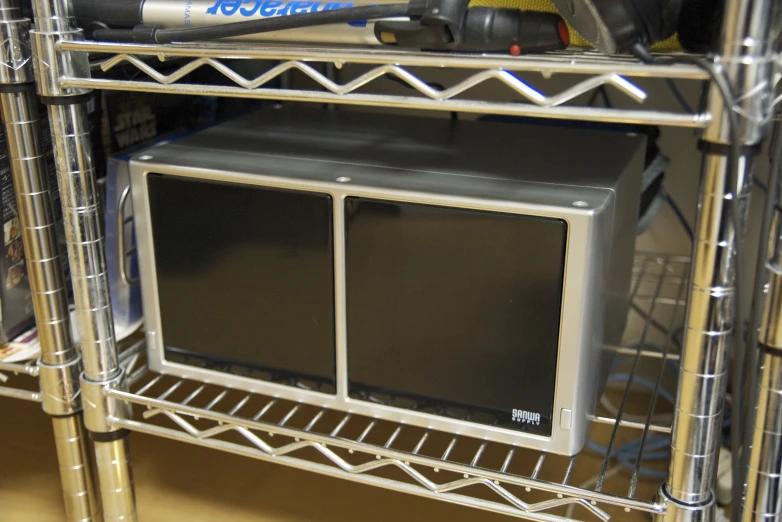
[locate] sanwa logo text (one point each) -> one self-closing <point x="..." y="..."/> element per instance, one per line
<point x="526" y="417"/>
<point x="270" y="8"/>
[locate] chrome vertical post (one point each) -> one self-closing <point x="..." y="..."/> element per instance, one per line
<point x="60" y="363"/>
<point x="763" y="441"/>
<point x="745" y="56"/>
<point x="76" y="179"/>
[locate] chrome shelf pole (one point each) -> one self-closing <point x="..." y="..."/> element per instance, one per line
<point x="763" y="440"/>
<point x="746" y="56"/>
<point x="60" y="363"/>
<point x="70" y="131"/>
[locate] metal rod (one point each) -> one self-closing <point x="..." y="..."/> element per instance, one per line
<point x="27" y="369"/>
<point x="314" y="420"/>
<point x="766" y="252"/>
<point x="393" y="437"/>
<point x="81" y="216"/>
<point x="330" y="470"/>
<point x="240" y="404"/>
<point x="328" y="440"/>
<point x="421" y="443"/>
<point x="508" y="459"/>
<point x="569" y="471"/>
<point x="117" y="493"/>
<point x="538" y="466"/>
<point x="135" y="349"/>
<point x="655" y="392"/>
<point x="265" y="409"/>
<point x="660" y="300"/>
<point x="129" y="363"/>
<point x="16" y="393"/>
<point x="59" y="363"/>
<point x="597" y="114"/>
<point x="478" y="454"/>
<point x="367" y="430"/>
<point x="190" y="397"/>
<point x="39" y="231"/>
<point x="647" y="317"/>
<point x="75" y="473"/>
<point x="341" y="425"/>
<point x="632" y="424"/>
<point x="449" y="448"/>
<point x="647" y="353"/>
<point x="149" y="385"/>
<point x="290" y="414"/>
<point x="70" y="133"/>
<point x="217" y="399"/>
<point x="134" y="377"/>
<point x="762" y="455"/>
<point x="169" y="391"/>
<point x="746" y="51"/>
<point x="764" y="468"/>
<point x="579" y="63"/>
<point x="626" y="394"/>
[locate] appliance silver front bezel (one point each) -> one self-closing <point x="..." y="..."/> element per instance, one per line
<point x="577" y="341"/>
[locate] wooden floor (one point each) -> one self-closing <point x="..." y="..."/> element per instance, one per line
<point x="179" y="482"/>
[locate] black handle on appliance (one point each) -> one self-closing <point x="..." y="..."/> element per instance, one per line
<point x="483" y="29"/>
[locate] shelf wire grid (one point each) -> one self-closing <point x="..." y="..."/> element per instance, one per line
<point x="19" y="380"/>
<point x="497" y="477"/>
<point x="362" y="85"/>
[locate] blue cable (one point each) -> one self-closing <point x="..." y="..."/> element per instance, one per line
<point x="680" y="216"/>
<point x="656" y="448"/>
<point x="627" y="453"/>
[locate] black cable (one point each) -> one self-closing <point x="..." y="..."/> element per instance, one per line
<point x="603" y="94"/>
<point x="678" y="95"/>
<point x="606" y="99"/>
<point x="734" y="157"/>
<point x="261" y="25"/>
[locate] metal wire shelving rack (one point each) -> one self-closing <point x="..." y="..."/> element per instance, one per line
<point x="585" y="70"/>
<point x="17" y="379"/>
<point x="458" y="469"/>
<point x="115" y="394"/>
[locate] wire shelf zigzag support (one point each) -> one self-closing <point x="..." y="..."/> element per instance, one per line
<point x="371" y="465"/>
<point x="508" y="78"/>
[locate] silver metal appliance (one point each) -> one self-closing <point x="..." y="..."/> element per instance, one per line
<point x="381" y="265"/>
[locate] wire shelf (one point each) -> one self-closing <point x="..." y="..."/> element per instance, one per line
<point x="473" y="472"/>
<point x="22" y="377"/>
<point x="363" y="73"/>
<point x="20" y="381"/>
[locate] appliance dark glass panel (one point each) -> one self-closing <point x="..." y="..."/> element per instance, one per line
<point x="245" y="275"/>
<point x="453" y="311"/>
